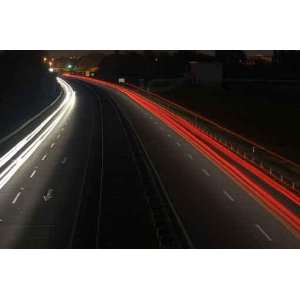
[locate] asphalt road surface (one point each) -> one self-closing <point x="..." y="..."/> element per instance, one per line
<point x="215" y="210"/>
<point x="85" y="187"/>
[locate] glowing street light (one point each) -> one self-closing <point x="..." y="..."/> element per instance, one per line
<point x="45" y="59"/>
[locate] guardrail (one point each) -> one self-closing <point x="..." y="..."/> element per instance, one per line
<point x="281" y="169"/>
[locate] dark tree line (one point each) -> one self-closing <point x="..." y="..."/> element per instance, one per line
<point x="23" y="72"/>
<point x="285" y="65"/>
<point x="166" y="64"/>
<point x="147" y="65"/>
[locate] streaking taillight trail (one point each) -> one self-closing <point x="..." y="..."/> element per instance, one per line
<point x="205" y="144"/>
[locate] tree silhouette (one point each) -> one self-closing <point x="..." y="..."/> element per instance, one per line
<point x="23" y="71"/>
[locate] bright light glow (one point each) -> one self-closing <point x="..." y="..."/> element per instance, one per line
<point x="14" y="158"/>
<point x="50" y="63"/>
<point x="69" y="66"/>
<point x="51" y="70"/>
<point x="196" y="137"/>
<point x="45" y="59"/>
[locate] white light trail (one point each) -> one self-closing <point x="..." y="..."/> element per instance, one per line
<point x="47" y="126"/>
<point x="68" y="92"/>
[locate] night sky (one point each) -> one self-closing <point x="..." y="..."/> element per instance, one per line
<point x="58" y="53"/>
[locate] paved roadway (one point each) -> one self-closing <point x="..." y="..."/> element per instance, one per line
<point x="215" y="210"/>
<point x="83" y="188"/>
<point x="44" y="193"/>
<point x="55" y="198"/>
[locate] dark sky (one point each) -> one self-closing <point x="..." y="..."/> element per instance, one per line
<point x="58" y="53"/>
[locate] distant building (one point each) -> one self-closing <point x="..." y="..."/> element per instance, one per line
<point x="206" y="73"/>
<point x="259" y="59"/>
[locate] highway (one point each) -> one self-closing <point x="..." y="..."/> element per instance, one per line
<point x="31" y="198"/>
<point x="52" y="198"/>
<point x="216" y="211"/>
<point x="105" y="172"/>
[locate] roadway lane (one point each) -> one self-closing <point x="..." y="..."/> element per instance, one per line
<point x="215" y="210"/>
<point x="39" y="204"/>
<point x="120" y="217"/>
<point x="81" y="188"/>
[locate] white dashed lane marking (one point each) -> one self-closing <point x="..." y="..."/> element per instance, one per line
<point x="16" y="198"/>
<point x="229" y="196"/>
<point x="189" y="156"/>
<point x="205" y="172"/>
<point x="263" y="232"/>
<point x="44" y="157"/>
<point x="52" y="145"/>
<point x="33" y="173"/>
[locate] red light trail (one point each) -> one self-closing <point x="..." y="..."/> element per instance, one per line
<point x="247" y="140"/>
<point x="204" y="143"/>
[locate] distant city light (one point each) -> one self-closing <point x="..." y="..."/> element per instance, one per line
<point x="50" y="63"/>
<point x="51" y="70"/>
<point x="45" y="59"/>
<point x="69" y="66"/>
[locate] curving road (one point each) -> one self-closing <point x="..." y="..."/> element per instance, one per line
<point x="84" y="186"/>
<point x="216" y="211"/>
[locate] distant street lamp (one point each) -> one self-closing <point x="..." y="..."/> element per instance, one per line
<point x="45" y="59"/>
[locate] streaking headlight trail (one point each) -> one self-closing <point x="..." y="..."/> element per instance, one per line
<point x="23" y="150"/>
